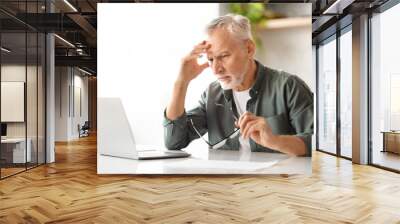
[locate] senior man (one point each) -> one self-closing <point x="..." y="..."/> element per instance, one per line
<point x="249" y="108"/>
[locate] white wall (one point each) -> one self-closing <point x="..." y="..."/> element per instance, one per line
<point x="288" y="49"/>
<point x="10" y="73"/>
<point x="33" y="127"/>
<point x="15" y="72"/>
<point x="61" y="103"/>
<point x="68" y="81"/>
<point x="80" y="83"/>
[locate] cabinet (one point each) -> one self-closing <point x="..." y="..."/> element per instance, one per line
<point x="391" y="141"/>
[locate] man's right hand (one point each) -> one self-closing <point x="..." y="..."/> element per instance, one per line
<point x="190" y="69"/>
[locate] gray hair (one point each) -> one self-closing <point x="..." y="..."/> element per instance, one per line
<point x="235" y="24"/>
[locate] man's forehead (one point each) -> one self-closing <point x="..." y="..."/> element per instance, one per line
<point x="217" y="47"/>
<point x="219" y="42"/>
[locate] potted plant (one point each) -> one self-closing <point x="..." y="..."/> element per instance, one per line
<point x="257" y="13"/>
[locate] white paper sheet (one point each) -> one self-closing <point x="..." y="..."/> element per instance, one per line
<point x="223" y="165"/>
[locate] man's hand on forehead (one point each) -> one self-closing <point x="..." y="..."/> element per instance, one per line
<point x="207" y="46"/>
<point x="201" y="48"/>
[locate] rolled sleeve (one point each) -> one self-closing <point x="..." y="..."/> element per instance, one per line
<point x="180" y="121"/>
<point x="178" y="133"/>
<point x="175" y="132"/>
<point x="301" y="110"/>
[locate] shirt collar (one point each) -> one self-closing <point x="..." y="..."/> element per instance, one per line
<point x="255" y="89"/>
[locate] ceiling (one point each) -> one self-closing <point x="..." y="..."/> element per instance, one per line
<point x="76" y="22"/>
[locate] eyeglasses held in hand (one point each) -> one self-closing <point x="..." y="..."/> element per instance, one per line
<point x="223" y="141"/>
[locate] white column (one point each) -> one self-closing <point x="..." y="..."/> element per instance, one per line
<point x="50" y="100"/>
<point x="50" y="92"/>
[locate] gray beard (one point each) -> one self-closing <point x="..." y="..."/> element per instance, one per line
<point x="230" y="86"/>
<point x="224" y="86"/>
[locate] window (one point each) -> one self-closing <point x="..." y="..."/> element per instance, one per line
<point x="346" y="93"/>
<point x="385" y="89"/>
<point x="327" y="96"/>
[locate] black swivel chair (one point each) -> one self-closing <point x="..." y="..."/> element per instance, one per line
<point x="84" y="130"/>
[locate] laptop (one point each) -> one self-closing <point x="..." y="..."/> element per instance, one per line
<point x="115" y="136"/>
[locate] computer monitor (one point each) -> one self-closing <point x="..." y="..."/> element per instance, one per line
<point x="3" y="129"/>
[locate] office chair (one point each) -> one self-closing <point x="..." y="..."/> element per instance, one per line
<point x="84" y="130"/>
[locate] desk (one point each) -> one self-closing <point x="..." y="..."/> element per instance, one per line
<point x="18" y="149"/>
<point x="205" y="161"/>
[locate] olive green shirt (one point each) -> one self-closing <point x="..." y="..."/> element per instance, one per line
<point x="284" y="100"/>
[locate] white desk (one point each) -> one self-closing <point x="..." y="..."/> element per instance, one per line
<point x="204" y="161"/>
<point x="19" y="149"/>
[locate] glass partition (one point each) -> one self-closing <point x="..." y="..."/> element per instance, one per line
<point x="22" y="63"/>
<point x="14" y="153"/>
